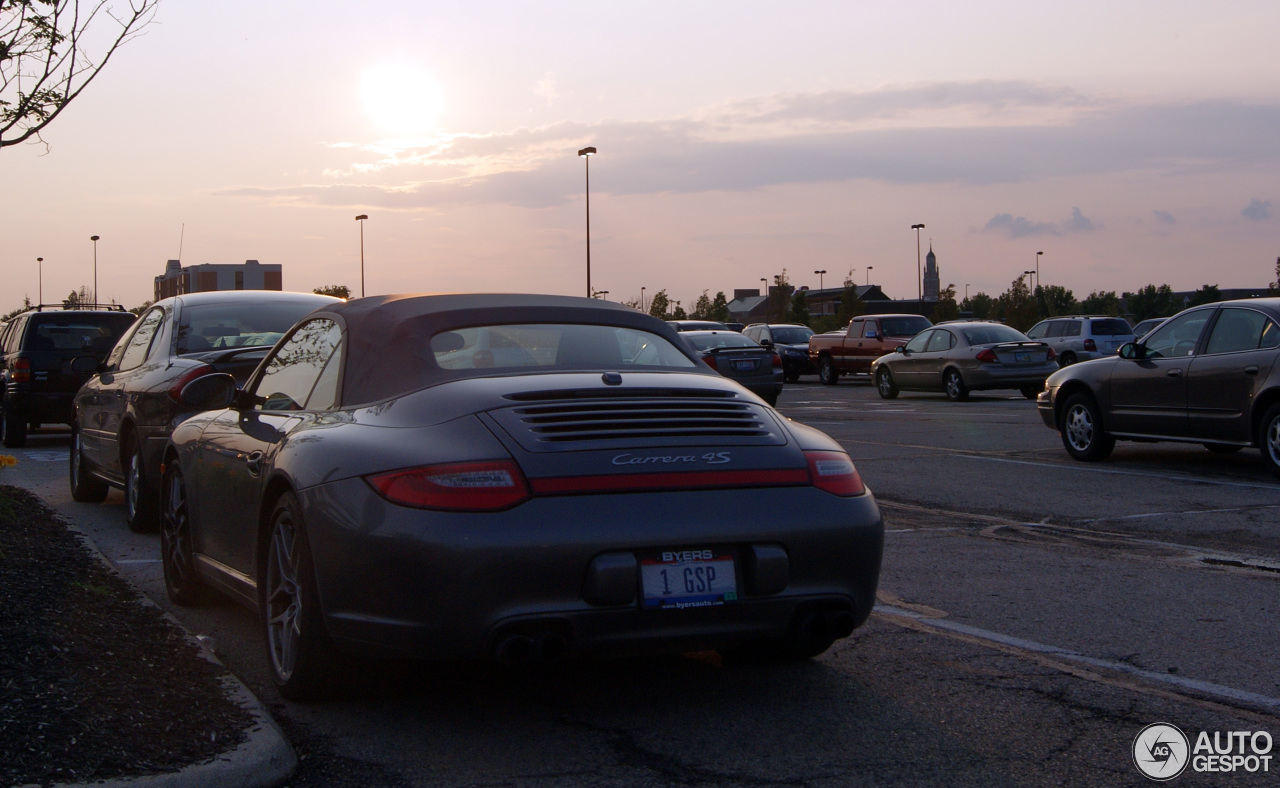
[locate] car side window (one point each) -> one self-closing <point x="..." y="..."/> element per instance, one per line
<point x="1237" y="329"/>
<point x="135" y="349"/>
<point x="918" y="342"/>
<point x="1056" y="328"/>
<point x="1038" y="330"/>
<point x="298" y="366"/>
<point x="1177" y="337"/>
<point x="1071" y="328"/>
<point x="855" y="329"/>
<point x="940" y="340"/>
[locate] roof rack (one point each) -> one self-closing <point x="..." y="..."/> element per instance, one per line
<point x="69" y="308"/>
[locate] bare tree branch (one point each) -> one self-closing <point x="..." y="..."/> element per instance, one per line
<point x="51" y="50"/>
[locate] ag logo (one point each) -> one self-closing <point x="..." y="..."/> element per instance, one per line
<point x="1161" y="751"/>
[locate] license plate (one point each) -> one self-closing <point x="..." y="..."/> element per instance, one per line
<point x="677" y="579"/>
<point x="1021" y="356"/>
<point x="744" y="366"/>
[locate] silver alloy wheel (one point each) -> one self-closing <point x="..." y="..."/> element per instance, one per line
<point x="884" y="384"/>
<point x="1078" y="427"/>
<point x="133" y="486"/>
<point x="1272" y="442"/>
<point x="955" y="385"/>
<point x="283" y="597"/>
<point x="176" y="533"/>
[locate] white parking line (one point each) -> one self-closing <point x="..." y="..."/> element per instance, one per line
<point x="42" y="455"/>
<point x="1203" y="688"/>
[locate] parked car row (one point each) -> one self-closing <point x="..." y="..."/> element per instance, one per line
<point x="474" y="476"/>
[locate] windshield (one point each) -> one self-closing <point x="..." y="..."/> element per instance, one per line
<point x="95" y="332"/>
<point x="705" y="342"/>
<point x="991" y="333"/>
<point x="1110" y="327"/>
<point x="257" y="324"/>
<point x="903" y="326"/>
<point x="792" y="335"/>
<point x="552" y="348"/>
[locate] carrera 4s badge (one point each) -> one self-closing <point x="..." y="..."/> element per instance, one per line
<point x="710" y="458"/>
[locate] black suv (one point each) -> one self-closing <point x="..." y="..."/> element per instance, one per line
<point x="37" y="384"/>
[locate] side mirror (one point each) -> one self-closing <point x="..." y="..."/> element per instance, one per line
<point x="209" y="392"/>
<point x="766" y="342"/>
<point x="900" y="349"/>
<point x="1131" y="350"/>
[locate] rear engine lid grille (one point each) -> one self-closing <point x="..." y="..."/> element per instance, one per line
<point x="612" y="422"/>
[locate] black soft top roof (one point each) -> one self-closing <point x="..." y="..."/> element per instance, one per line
<point x="385" y="333"/>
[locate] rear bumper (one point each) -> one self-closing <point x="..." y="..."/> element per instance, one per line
<point x="458" y="586"/>
<point x="40" y="407"/>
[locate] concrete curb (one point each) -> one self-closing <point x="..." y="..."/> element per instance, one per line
<point x="264" y="760"/>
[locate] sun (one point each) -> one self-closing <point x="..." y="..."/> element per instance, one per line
<point x="401" y="99"/>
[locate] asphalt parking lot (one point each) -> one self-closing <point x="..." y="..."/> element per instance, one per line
<point x="1035" y="614"/>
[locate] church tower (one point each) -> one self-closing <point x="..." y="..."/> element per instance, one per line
<point x="932" y="280"/>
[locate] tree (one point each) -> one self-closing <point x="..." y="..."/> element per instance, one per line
<point x="77" y="298"/>
<point x="1016" y="307"/>
<point x="338" y="291"/>
<point x="720" y="308"/>
<point x="1101" y="303"/>
<point x="780" y="299"/>
<point x="26" y="304"/>
<point x="1274" y="287"/>
<point x="800" y="308"/>
<point x="980" y="305"/>
<point x="137" y="310"/>
<point x="678" y="313"/>
<point x="947" y="308"/>
<point x="660" y="305"/>
<point x="1208" y="294"/>
<point x="1152" y="301"/>
<point x="702" y="307"/>
<point x="48" y="55"/>
<point x="850" y="305"/>
<point x="1055" y="300"/>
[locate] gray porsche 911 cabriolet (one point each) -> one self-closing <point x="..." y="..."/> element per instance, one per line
<point x="515" y="477"/>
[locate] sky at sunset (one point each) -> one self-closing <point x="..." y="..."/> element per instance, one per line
<point x="1131" y="142"/>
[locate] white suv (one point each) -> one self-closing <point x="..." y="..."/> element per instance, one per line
<point x="1082" y="337"/>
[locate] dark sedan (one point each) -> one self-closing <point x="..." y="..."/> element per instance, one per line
<point x="600" y="492"/>
<point x="124" y="414"/>
<point x="1207" y="375"/>
<point x="740" y="358"/>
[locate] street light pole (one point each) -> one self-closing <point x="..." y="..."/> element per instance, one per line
<point x="966" y="291"/>
<point x="642" y="309"/>
<point x="94" y="238"/>
<point x="1038" y="254"/>
<point x="40" y="292"/>
<point x="767" y="305"/>
<point x="361" y="219"/>
<point x="869" y="275"/>
<point x="820" y="275"/>
<point x="919" y="273"/>
<point x="587" y="153"/>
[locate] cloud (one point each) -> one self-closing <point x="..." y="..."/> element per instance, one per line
<point x="1257" y="210"/>
<point x="546" y="88"/>
<point x="1021" y="227"/>
<point x="1164" y="217"/>
<point x="974" y="133"/>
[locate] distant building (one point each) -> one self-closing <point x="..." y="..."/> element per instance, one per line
<point x="932" y="278"/>
<point x="210" y="276"/>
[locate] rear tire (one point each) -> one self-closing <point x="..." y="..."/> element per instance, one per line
<point x="790" y="377"/>
<point x="954" y="386"/>
<point x="14" y="430"/>
<point x="139" y="495"/>
<point x="885" y="385"/>
<point x="84" y="487"/>
<point x="1081" y="428"/>
<point x="827" y="372"/>
<point x="177" y="554"/>
<point x="1269" y="438"/>
<point x="1067" y="360"/>
<point x="302" y="658"/>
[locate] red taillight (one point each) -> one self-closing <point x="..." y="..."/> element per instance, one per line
<point x="459" y="487"/>
<point x="22" y="370"/>
<point x="1052" y="355"/>
<point x="175" y="391"/>
<point x="834" y="472"/>
<point x="1089" y="344"/>
<point x="987" y="355"/>
<point x="710" y="361"/>
<point x="777" y="361"/>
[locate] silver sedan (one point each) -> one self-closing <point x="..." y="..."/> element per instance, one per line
<point x="958" y="357"/>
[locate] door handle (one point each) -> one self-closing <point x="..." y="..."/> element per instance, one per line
<point x="1252" y="369"/>
<point x="254" y="462"/>
<point x="1174" y="373"/>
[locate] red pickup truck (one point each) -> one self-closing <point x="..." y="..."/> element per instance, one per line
<point x="867" y="338"/>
